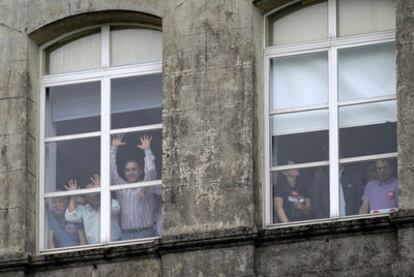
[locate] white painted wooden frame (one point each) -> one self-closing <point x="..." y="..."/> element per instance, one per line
<point x="104" y="75"/>
<point x="331" y="45"/>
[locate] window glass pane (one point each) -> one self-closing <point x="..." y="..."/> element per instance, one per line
<point x="301" y="137"/>
<point x="367" y="71"/>
<point x="365" y="16"/>
<point x="299" y="81"/>
<point x="72" y="109"/>
<point x="72" y="221"/>
<point x="376" y="182"/>
<point x="134" y="46"/>
<point x="136" y="101"/>
<point x="296" y="24"/>
<point x="300" y="194"/>
<point x="81" y="52"/>
<point x="73" y="159"/>
<point x="136" y="157"/>
<point x="139" y="215"/>
<point x="368" y="129"/>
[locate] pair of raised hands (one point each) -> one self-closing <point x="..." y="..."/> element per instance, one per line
<point x="73" y="183"/>
<point x="118" y="140"/>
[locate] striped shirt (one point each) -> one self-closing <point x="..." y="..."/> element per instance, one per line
<point x="139" y="206"/>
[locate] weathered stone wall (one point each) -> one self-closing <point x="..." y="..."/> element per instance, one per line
<point x="213" y="145"/>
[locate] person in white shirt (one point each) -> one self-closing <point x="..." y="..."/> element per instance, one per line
<point x="90" y="213"/>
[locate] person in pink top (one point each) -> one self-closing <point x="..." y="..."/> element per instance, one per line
<point x="381" y="195"/>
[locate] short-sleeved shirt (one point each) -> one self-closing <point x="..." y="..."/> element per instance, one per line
<point x="65" y="234"/>
<point x="292" y="195"/>
<point x="382" y="196"/>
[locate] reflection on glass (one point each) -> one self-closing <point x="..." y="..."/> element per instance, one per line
<point x="59" y="231"/>
<point x="136" y="157"/>
<point x="72" y="109"/>
<point x="378" y="192"/>
<point x="74" y="159"/>
<point x="300" y="136"/>
<point x="299" y="24"/>
<point x="365" y="16"/>
<point x="368" y="129"/>
<point x="140" y="215"/>
<point x="299" y="81"/>
<point x="367" y="71"/>
<point x="300" y="194"/>
<point x="136" y="101"/>
<point x="352" y="180"/>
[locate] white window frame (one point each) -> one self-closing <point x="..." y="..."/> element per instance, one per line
<point x="104" y="75"/>
<point x="331" y="45"/>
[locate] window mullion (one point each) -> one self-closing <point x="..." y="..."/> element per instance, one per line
<point x="332" y="18"/>
<point x="105" y="162"/>
<point x="105" y="46"/>
<point x="333" y="135"/>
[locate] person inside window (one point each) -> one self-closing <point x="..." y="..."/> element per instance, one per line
<point x="381" y="195"/>
<point x="61" y="232"/>
<point x="90" y="212"/>
<point x="140" y="207"/>
<point x="291" y="200"/>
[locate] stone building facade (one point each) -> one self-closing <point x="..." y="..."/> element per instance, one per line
<point x="212" y="151"/>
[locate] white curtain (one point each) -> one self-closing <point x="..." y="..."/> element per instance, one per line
<point x="81" y="54"/>
<point x="135" y="46"/>
<point x="365" y="16"/>
<point x="306" y="24"/>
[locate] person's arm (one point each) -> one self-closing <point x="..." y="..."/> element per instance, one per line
<point x="82" y="237"/>
<point x="279" y="209"/>
<point x="117" y="140"/>
<point x="306" y="207"/>
<point x="364" y="207"/>
<point x="150" y="172"/>
<point x="73" y="214"/>
<point x="50" y="241"/>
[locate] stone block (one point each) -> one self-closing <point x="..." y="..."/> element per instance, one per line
<point x="13" y="80"/>
<point x="13" y="45"/>
<point x="13" y="115"/>
<point x="195" y="90"/>
<point x="12" y="231"/>
<point x="312" y="257"/>
<point x="208" y="207"/>
<point x="234" y="261"/>
<point x="12" y="187"/>
<point x="184" y="53"/>
<point x="12" y="152"/>
<point x="405" y="83"/>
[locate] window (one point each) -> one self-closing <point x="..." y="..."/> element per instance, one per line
<point x="101" y="137"/>
<point x="330" y="116"/>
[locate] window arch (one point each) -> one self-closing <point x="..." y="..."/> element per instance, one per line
<point x="330" y="117"/>
<point x="100" y="137"/>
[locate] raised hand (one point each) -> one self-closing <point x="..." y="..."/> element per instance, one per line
<point x="145" y="142"/>
<point x="96" y="180"/>
<point x="72" y="185"/>
<point x="117" y="140"/>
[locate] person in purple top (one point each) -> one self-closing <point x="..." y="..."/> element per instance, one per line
<point x="381" y="195"/>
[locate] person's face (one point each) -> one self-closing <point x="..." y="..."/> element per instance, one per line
<point x="94" y="199"/>
<point x="291" y="172"/>
<point x="59" y="205"/>
<point x="384" y="170"/>
<point x="132" y="171"/>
